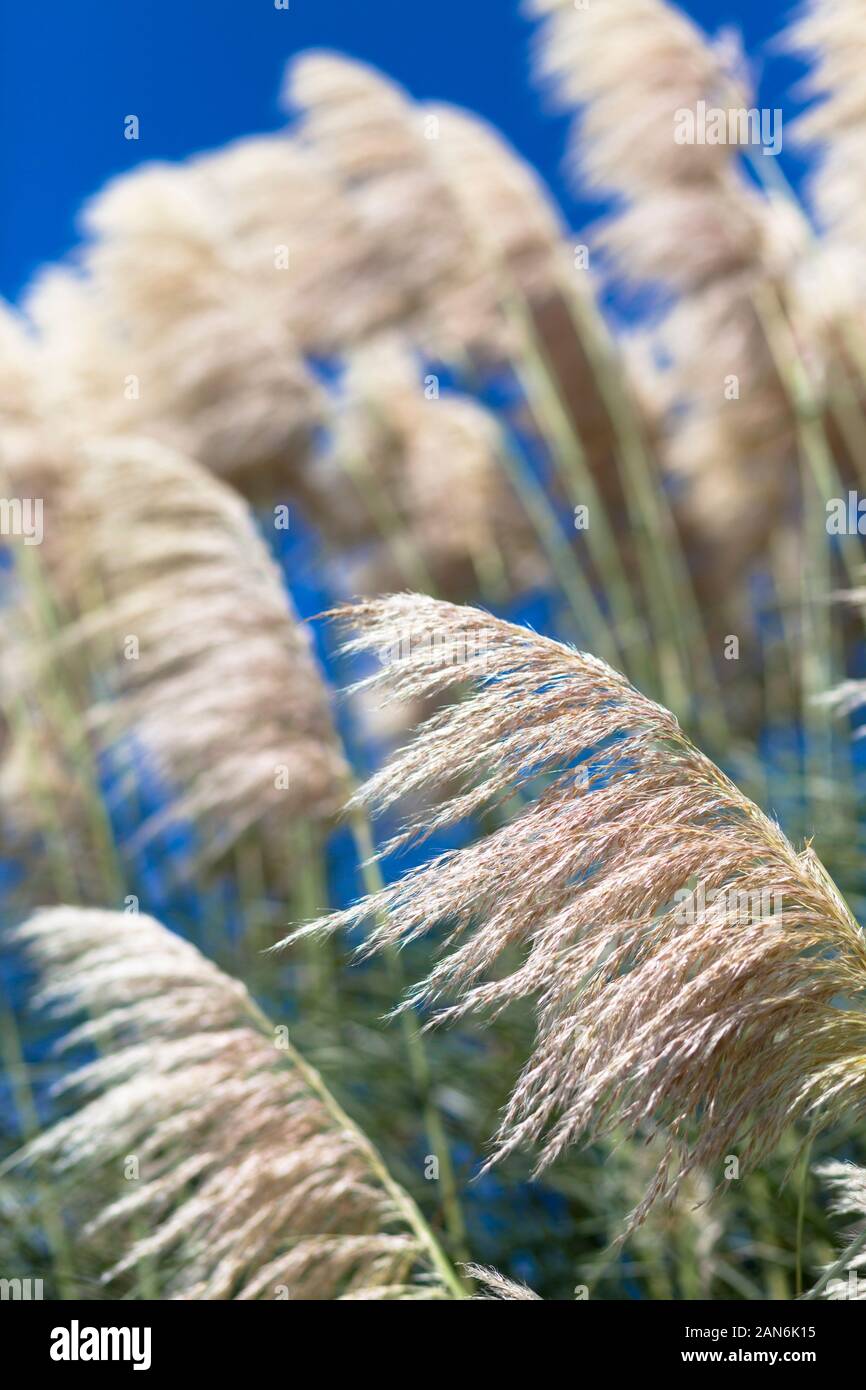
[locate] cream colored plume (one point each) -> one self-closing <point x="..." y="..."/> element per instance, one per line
<point x="85" y="369"/>
<point x="846" y="1278"/>
<point x="831" y="35"/>
<point x="689" y="969"/>
<point x="506" y="208"/>
<point x="19" y="371"/>
<point x="633" y="64"/>
<point x="200" y="657"/>
<point x="382" y="150"/>
<point x="280" y="202"/>
<point x="177" y="330"/>
<point x="32" y="473"/>
<point x="250" y="1181"/>
<point x="692" y="223"/>
<point x="468" y="232"/>
<point x="548" y="300"/>
<point x="495" y="1288"/>
<point x="28" y="463"/>
<point x="435" y="459"/>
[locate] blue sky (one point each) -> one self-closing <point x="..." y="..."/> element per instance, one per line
<point x="200" y="72"/>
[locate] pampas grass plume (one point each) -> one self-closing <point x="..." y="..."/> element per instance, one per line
<point x="688" y="968"/>
<point x="253" y="1184"/>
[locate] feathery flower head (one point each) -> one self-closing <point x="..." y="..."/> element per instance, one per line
<point x="633" y="64"/>
<point x="369" y="136"/>
<point x="252" y="1183"/>
<point x="26" y="446"/>
<point x="831" y="35"/>
<point x="384" y="153"/>
<point x="184" y="311"/>
<point x="691" y="223"/>
<point x="224" y="690"/>
<point x="294" y="236"/>
<point x="847" y="1186"/>
<point x="689" y="968"/>
<point x="19" y="370"/>
<point x="504" y="204"/>
<point x="437" y="457"/>
<point x="495" y="1288"/>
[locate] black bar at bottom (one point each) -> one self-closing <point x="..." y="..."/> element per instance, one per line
<point x="139" y="1339"/>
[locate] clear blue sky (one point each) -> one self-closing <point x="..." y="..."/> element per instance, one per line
<point x="200" y="72"/>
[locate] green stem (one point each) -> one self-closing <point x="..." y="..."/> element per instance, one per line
<point x="665" y="567"/>
<point x="311" y="898"/>
<point x="50" y="686"/>
<point x="388" y="522"/>
<point x="16" y="1069"/>
<point x="419" y="1065"/>
<point x="829" y="789"/>
<point x="801" y="1217"/>
<point x="556" y="427"/>
<point x="401" y="1199"/>
<point x="590" y="623"/>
